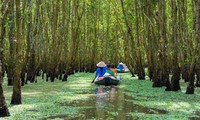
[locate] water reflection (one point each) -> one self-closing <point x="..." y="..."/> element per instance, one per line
<point x="108" y="102"/>
<point x="197" y="117"/>
<point x="105" y="95"/>
<point x="100" y="98"/>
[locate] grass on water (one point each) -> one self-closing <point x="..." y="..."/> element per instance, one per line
<point x="41" y="99"/>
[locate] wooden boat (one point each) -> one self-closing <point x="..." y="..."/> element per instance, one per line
<point x="123" y="71"/>
<point x="107" y="81"/>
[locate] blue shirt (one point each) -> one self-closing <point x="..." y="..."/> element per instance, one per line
<point x="120" y="67"/>
<point x="100" y="71"/>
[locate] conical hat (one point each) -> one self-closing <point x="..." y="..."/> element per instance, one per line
<point x="121" y="63"/>
<point x="101" y="64"/>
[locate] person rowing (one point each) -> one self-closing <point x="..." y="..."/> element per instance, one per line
<point x="120" y="67"/>
<point x="100" y="71"/>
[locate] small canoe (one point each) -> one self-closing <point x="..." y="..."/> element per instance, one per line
<point x="107" y="81"/>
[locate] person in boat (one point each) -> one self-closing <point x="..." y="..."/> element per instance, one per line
<point x="113" y="69"/>
<point x="109" y="73"/>
<point x="100" y="71"/>
<point x="120" y="66"/>
<point x="109" y="70"/>
<point x="125" y="68"/>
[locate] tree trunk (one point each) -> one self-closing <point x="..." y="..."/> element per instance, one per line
<point x="195" y="58"/>
<point x="185" y="73"/>
<point x="139" y="61"/>
<point x="29" y="41"/>
<point x="161" y="72"/>
<point x="4" y="11"/>
<point x="16" y="96"/>
<point x="197" y="37"/>
<point x="175" y="85"/>
<point x="190" y="87"/>
<point x="150" y="33"/>
<point x="31" y="67"/>
<point x="3" y="107"/>
<point x="197" y="71"/>
<point x="11" y="59"/>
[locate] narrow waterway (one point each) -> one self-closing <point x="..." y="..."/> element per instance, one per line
<point x="107" y="102"/>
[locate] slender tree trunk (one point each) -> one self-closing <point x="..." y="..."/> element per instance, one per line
<point x="148" y="12"/>
<point x="11" y="59"/>
<point x="31" y="40"/>
<point x="3" y="107"/>
<point x="185" y="73"/>
<point x="175" y="85"/>
<point x="139" y="61"/>
<point x="197" y="71"/>
<point x="185" y="40"/>
<point x="16" y="96"/>
<point x="161" y="74"/>
<point x="190" y="87"/>
<point x="197" y="37"/>
<point x="66" y="37"/>
<point x="195" y="60"/>
<point x="4" y="12"/>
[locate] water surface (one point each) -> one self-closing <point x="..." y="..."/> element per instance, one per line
<point x="107" y="102"/>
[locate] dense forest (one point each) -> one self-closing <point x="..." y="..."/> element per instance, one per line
<point x="56" y="38"/>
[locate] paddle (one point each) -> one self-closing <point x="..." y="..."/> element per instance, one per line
<point x="93" y="80"/>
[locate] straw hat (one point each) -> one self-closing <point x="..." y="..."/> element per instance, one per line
<point x="101" y="64"/>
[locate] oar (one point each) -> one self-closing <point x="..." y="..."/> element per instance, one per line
<point x="93" y="80"/>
